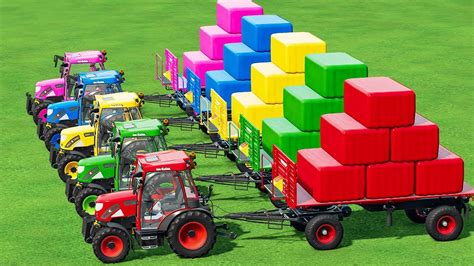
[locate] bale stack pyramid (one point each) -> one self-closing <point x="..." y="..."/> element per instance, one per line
<point x="304" y="105"/>
<point x="379" y="148"/>
<point x="288" y="51"/>
<point x="213" y="38"/>
<point x="238" y="57"/>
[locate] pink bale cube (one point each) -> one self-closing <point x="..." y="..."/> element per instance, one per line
<point x="230" y="13"/>
<point x="199" y="63"/>
<point x="212" y="40"/>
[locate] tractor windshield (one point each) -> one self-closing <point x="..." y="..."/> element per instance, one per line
<point x="163" y="194"/>
<point x="90" y="91"/>
<point x="106" y="123"/>
<point x="130" y="148"/>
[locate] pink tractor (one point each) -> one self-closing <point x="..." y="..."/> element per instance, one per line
<point x="62" y="89"/>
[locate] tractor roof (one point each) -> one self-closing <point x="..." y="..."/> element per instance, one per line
<point x="85" y="57"/>
<point x="100" y="77"/>
<point x="170" y="160"/>
<point x="120" y="99"/>
<point x="141" y="127"/>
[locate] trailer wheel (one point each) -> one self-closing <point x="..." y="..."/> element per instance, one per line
<point x="417" y="215"/>
<point x="111" y="245"/>
<point x="67" y="167"/>
<point x="85" y="201"/>
<point x="192" y="234"/>
<point x="444" y="223"/>
<point x="324" y="232"/>
<point x="298" y="226"/>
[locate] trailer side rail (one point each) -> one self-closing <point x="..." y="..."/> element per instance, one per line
<point x="284" y="168"/>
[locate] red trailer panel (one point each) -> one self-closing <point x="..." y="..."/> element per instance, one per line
<point x="443" y="175"/>
<point x="390" y="180"/>
<point x="326" y="179"/>
<point x="349" y="142"/>
<point x="379" y="102"/>
<point x="415" y="143"/>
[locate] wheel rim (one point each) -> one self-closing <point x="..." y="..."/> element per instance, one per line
<point x="326" y="233"/>
<point x="71" y="169"/>
<point x="55" y="140"/>
<point x="88" y="204"/>
<point x="192" y="235"/>
<point x="42" y="115"/>
<point x="111" y="246"/>
<point x="446" y="225"/>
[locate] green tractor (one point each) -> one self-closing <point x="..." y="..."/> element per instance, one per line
<point x="111" y="172"/>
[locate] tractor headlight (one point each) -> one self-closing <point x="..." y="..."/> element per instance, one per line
<point x="38" y="88"/>
<point x="80" y="169"/>
<point x="50" y="112"/>
<point x="98" y="206"/>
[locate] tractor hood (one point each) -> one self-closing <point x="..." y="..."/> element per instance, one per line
<point x="85" y="57"/>
<point x="63" y="111"/>
<point x="77" y="137"/>
<point x="96" y="168"/>
<point x="115" y="205"/>
<point x="100" y="77"/>
<point x="49" y="88"/>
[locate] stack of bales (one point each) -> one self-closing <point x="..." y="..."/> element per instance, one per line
<point x="304" y="105"/>
<point x="238" y="57"/>
<point x="213" y="38"/>
<point x="288" y="51"/>
<point x="378" y="148"/>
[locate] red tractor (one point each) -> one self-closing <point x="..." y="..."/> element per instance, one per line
<point x="162" y="204"/>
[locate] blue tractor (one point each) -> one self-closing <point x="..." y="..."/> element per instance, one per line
<point x="76" y="113"/>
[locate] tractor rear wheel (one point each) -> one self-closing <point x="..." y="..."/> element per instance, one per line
<point x="85" y="201"/>
<point x="111" y="245"/>
<point x="192" y="234"/>
<point x="324" y="232"/>
<point x="52" y="138"/>
<point x="444" y="223"/>
<point x="40" y="111"/>
<point x="67" y="166"/>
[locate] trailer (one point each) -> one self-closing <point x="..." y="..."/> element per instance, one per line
<point x="442" y="214"/>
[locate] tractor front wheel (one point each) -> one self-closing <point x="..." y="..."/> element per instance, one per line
<point x="324" y="232"/>
<point x="85" y="201"/>
<point x="40" y="111"/>
<point x="111" y="245"/>
<point x="52" y="138"/>
<point x="67" y="166"/>
<point x="192" y="234"/>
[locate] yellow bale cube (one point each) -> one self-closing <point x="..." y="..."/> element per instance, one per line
<point x="268" y="82"/>
<point x="254" y="110"/>
<point x="289" y="49"/>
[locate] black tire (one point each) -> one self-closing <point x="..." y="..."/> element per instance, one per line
<point x="444" y="223"/>
<point x="298" y="226"/>
<point x="417" y="215"/>
<point x="86" y="193"/>
<point x="324" y="232"/>
<point x="231" y="156"/>
<point x="111" y="245"/>
<point x="203" y="129"/>
<point x="37" y="110"/>
<point x="192" y="234"/>
<point x="49" y="134"/>
<point x="39" y="129"/>
<point x="64" y="162"/>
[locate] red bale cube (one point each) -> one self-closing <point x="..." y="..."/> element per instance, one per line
<point x="349" y="142"/>
<point x="441" y="176"/>
<point x="326" y="179"/>
<point x="390" y="179"/>
<point x="415" y="143"/>
<point x="379" y="102"/>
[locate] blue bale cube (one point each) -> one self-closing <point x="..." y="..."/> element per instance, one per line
<point x="257" y="30"/>
<point x="225" y="85"/>
<point x="238" y="58"/>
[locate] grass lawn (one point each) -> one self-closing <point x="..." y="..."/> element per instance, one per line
<point x="426" y="45"/>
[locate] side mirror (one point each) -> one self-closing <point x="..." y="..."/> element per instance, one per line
<point x="93" y="115"/>
<point x="136" y="182"/>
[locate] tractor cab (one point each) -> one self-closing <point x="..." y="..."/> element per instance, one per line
<point x="163" y="204"/>
<point x="91" y="140"/>
<point x="60" y="89"/>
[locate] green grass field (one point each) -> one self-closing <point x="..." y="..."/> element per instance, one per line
<point x="426" y="45"/>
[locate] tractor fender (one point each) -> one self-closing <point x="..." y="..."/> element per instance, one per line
<point x="93" y="185"/>
<point x="163" y="227"/>
<point x="121" y="227"/>
<point x="75" y="152"/>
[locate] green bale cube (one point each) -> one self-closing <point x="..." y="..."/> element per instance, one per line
<point x="325" y="73"/>
<point x="303" y="107"/>
<point x="283" y="134"/>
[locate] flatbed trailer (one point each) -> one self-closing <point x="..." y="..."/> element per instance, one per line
<point x="321" y="221"/>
